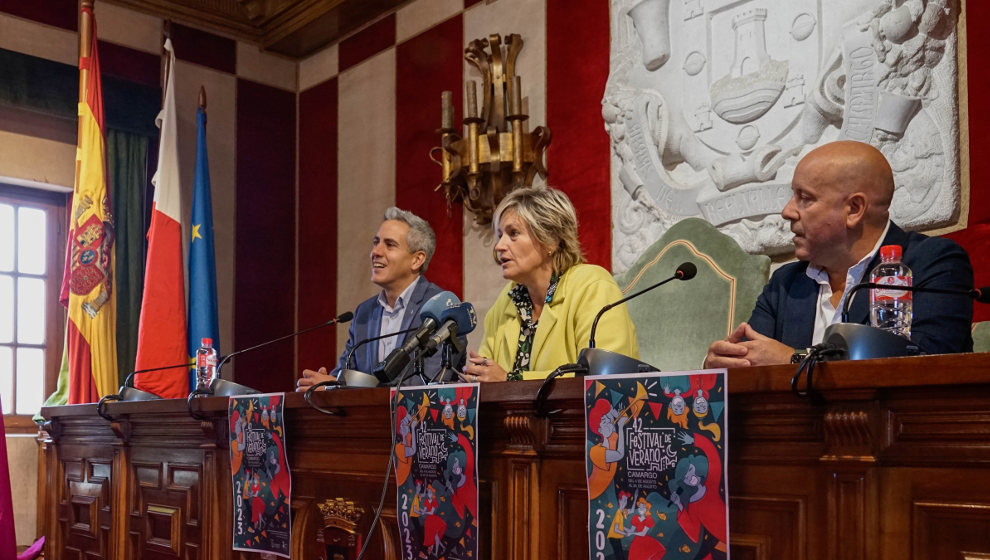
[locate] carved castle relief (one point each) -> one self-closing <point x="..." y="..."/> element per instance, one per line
<point x="710" y="104"/>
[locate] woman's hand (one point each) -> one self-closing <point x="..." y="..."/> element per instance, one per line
<point x="480" y="368"/>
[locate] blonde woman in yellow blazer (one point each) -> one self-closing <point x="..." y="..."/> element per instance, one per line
<point x="542" y="318"/>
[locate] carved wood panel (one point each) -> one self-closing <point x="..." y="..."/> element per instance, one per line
<point x="572" y="512"/>
<point x="165" y="509"/>
<point x="767" y="527"/>
<point x="951" y="530"/>
<point x="84" y="507"/>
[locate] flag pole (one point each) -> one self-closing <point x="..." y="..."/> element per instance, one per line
<point x="85" y="48"/>
<point x="165" y="63"/>
<point x="85" y="41"/>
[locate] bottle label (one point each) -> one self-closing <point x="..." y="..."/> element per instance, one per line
<point x="890" y="294"/>
<point x="204" y="359"/>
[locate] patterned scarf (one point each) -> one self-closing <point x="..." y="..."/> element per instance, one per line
<point x="520" y="297"/>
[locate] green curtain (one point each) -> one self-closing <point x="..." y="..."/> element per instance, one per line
<point x="51" y="88"/>
<point x="127" y="164"/>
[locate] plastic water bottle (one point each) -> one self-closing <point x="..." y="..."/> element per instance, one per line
<point x="206" y="364"/>
<point x="890" y="308"/>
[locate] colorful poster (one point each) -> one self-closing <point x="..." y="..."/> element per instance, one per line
<point x="260" y="469"/>
<point x="656" y="449"/>
<point x="436" y="475"/>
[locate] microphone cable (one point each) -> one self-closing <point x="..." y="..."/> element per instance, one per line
<point x="308" y="395"/>
<point x="393" y="404"/>
<point x="816" y="354"/>
<point x="540" y="402"/>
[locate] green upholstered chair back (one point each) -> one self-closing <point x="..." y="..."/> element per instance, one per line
<point x="981" y="336"/>
<point x="676" y="322"/>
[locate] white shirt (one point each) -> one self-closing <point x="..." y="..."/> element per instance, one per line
<point x="392" y="318"/>
<point x="825" y="313"/>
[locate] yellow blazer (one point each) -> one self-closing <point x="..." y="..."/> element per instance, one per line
<point x="564" y="325"/>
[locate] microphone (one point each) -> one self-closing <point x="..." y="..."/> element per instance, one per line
<point x="399" y="358"/>
<point x="458" y="320"/>
<point x="350" y="353"/>
<point x="223" y="388"/>
<point x="686" y="271"/>
<point x="342" y="318"/>
<point x="128" y="392"/>
<point x="981" y="295"/>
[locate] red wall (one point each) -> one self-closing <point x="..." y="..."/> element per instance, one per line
<point x="976" y="237"/>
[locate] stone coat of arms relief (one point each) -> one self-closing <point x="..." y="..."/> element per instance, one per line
<point x="711" y="103"/>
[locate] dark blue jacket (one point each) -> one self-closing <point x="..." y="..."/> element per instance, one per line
<point x="367" y="323"/>
<point x="941" y="324"/>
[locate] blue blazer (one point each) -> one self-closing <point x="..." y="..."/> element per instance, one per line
<point x="941" y="324"/>
<point x="367" y="323"/>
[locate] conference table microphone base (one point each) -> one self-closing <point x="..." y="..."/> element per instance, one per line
<point x="605" y="362"/>
<point x="355" y="378"/>
<point x="863" y="342"/>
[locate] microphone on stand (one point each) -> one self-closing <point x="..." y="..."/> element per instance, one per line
<point x="981" y="295"/>
<point x="595" y="361"/>
<point x="457" y="321"/>
<point x="398" y="359"/>
<point x="350" y="353"/>
<point x="347" y="377"/>
<point x="686" y="271"/>
<point x="224" y="388"/>
<point x="342" y="318"/>
<point x="853" y="341"/>
<point x="128" y="392"/>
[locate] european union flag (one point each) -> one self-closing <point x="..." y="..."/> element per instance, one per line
<point x="202" y="316"/>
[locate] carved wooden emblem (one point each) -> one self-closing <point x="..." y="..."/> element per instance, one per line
<point x="338" y="534"/>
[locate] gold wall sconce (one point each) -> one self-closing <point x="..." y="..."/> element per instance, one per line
<point x="497" y="155"/>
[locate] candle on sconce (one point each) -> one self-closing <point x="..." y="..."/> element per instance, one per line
<point x="516" y="96"/>
<point x="446" y="109"/>
<point x="472" y="99"/>
<point x="509" y="96"/>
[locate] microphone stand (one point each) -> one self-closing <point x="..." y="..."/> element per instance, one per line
<point x="684" y="272"/>
<point x="232" y="388"/>
<point x="342" y="318"/>
<point x="447" y="349"/>
<point x="420" y="367"/>
<point x="128" y="392"/>
<point x="446" y="362"/>
<point x="979" y="294"/>
<point x="350" y="353"/>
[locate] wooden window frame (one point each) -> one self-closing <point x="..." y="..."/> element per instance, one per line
<point x="55" y="204"/>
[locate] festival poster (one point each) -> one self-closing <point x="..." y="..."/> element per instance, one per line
<point x="436" y="475"/>
<point x="656" y="449"/>
<point x="260" y="471"/>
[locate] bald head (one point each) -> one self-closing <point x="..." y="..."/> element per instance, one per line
<point x="847" y="167"/>
<point x="840" y="207"/>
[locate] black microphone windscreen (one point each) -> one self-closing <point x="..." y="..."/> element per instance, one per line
<point x="686" y="271"/>
<point x="345" y="317"/>
<point x="981" y="295"/>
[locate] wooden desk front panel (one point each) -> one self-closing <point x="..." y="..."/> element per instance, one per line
<point x="893" y="464"/>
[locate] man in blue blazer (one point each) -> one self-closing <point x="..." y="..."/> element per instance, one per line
<point x="400" y="254"/>
<point x="839" y="214"/>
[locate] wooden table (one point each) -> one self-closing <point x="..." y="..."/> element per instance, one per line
<point x="893" y="464"/>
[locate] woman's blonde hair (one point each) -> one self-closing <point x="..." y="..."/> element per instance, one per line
<point x="550" y="217"/>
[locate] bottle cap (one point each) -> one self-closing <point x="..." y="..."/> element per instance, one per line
<point x="209" y="341"/>
<point x="890" y="253"/>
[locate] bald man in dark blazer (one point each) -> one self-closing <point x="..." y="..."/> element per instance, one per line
<point x="839" y="214"/>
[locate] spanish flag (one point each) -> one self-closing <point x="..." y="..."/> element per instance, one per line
<point x="87" y="287"/>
